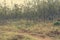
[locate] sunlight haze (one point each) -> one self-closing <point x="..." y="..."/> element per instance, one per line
<point x="11" y="2"/>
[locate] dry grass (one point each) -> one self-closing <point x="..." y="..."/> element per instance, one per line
<point x="34" y="30"/>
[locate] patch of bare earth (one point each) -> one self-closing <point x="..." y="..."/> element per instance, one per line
<point x="35" y="36"/>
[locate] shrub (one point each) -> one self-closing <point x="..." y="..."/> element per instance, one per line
<point x="57" y="23"/>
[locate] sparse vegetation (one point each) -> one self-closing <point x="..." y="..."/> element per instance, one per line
<point x="32" y="21"/>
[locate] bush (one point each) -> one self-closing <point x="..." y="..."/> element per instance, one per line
<point x="57" y="23"/>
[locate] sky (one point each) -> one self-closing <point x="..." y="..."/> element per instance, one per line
<point x="11" y="2"/>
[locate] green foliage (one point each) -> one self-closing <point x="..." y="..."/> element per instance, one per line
<point x="57" y="23"/>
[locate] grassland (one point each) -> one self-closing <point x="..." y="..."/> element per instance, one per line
<point x="29" y="30"/>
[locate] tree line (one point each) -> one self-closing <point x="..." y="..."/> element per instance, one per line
<point x="34" y="10"/>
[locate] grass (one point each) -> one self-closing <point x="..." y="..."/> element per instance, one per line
<point x="14" y="36"/>
<point x="11" y="30"/>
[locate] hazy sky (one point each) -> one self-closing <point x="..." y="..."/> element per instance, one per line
<point x="15" y="1"/>
<point x="11" y="2"/>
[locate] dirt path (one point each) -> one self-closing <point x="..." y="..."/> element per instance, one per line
<point x="37" y="37"/>
<point x="29" y="35"/>
<point x="34" y="37"/>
